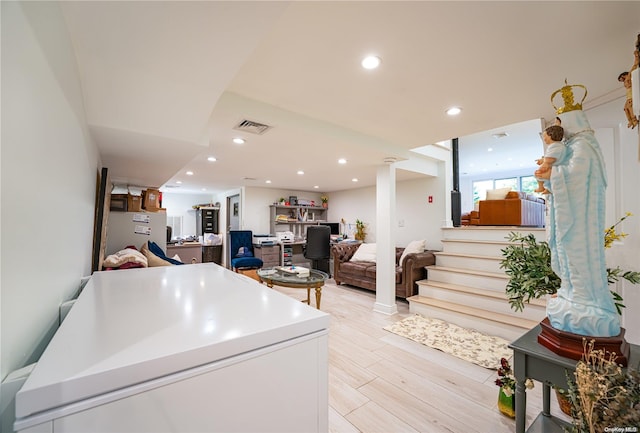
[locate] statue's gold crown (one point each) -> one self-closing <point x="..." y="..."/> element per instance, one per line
<point x="567" y="96"/>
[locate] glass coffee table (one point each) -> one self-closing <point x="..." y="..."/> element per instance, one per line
<point x="278" y="277"/>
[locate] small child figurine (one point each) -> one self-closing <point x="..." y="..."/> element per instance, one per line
<point x="625" y="79"/>
<point x="554" y="151"/>
<point x="632" y="120"/>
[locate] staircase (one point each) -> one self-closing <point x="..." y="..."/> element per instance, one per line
<point x="467" y="287"/>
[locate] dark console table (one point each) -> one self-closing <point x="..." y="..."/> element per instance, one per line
<point x="532" y="360"/>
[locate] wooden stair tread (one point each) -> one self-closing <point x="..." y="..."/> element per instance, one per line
<point x="510" y="228"/>
<point x="475" y="312"/>
<point x="478" y="241"/>
<point x="471" y="256"/>
<point x="501" y="276"/>
<point x="475" y="291"/>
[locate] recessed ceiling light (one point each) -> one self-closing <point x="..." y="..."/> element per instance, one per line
<point x="315" y="187"/>
<point x="490" y="149"/>
<point x="189" y="173"/>
<point x="499" y="135"/>
<point x="178" y="182"/>
<point x="300" y="172"/>
<point x="454" y="111"/>
<point x="355" y="179"/>
<point x="371" y="62"/>
<point x="267" y="181"/>
<point x="204" y="189"/>
<point x="342" y="161"/>
<point x="238" y="140"/>
<point x="212" y="159"/>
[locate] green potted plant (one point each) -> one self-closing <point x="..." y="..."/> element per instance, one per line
<point x="527" y="263"/>
<point x="325" y="201"/>
<point x="507" y="383"/>
<point x="360" y="231"/>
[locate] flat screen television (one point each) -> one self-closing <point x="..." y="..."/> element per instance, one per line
<point x="335" y="227"/>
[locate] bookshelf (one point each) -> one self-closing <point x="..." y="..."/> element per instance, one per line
<point x="295" y="218"/>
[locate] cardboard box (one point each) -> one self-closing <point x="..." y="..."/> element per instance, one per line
<point x="151" y="199"/>
<point x="134" y="203"/>
<point x="156" y="209"/>
<point x="118" y="203"/>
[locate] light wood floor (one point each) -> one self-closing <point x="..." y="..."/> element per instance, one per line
<point x="381" y="382"/>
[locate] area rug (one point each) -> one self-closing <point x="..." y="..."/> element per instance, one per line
<point x="467" y="344"/>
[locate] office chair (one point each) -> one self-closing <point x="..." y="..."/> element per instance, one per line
<point x="241" y="251"/>
<point x="317" y="248"/>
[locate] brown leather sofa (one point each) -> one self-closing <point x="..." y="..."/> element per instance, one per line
<point x="363" y="274"/>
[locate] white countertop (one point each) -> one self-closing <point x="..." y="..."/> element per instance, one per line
<point x="130" y="326"/>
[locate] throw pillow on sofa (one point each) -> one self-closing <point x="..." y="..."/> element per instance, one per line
<point x="127" y="255"/>
<point x="152" y="259"/>
<point x="364" y="253"/>
<point x="498" y="194"/>
<point x="413" y="247"/>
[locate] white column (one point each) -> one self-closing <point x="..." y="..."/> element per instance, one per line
<point x="385" y="239"/>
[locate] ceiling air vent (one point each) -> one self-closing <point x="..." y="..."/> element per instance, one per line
<point x="252" y="127"/>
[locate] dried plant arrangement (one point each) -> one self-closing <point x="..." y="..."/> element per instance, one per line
<point x="604" y="397"/>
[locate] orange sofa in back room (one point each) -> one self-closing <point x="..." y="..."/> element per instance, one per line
<point x="516" y="209"/>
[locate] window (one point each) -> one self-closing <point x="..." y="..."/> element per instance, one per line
<point x="480" y="189"/>
<point x="523" y="183"/>
<point x="529" y="184"/>
<point x="175" y="222"/>
<point x="511" y="182"/>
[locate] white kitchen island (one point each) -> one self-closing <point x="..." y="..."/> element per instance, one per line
<point x="194" y="348"/>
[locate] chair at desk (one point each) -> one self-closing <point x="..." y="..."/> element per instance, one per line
<point x="241" y="251"/>
<point x="317" y="249"/>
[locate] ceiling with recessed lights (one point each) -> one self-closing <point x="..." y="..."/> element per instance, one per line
<point x="167" y="83"/>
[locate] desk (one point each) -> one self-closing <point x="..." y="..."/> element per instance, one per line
<point x="293" y="254"/>
<point x="189" y="252"/>
<point x="532" y="360"/>
<point x="271" y="255"/>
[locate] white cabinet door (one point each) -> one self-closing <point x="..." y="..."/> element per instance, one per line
<point x="278" y="389"/>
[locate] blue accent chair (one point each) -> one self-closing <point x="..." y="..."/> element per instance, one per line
<point x="241" y="250"/>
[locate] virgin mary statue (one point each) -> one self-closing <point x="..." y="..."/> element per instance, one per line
<point x="583" y="304"/>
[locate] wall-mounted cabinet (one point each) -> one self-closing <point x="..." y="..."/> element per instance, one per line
<point x="295" y="218"/>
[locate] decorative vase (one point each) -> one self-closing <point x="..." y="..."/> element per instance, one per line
<point x="507" y="404"/>
<point x="325" y="205"/>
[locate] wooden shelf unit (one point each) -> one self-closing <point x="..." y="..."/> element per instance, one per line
<point x="297" y="221"/>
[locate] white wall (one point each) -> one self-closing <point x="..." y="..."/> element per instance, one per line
<point x="182" y="205"/>
<point x="420" y="219"/>
<point x="623" y="172"/>
<point x="49" y="174"/>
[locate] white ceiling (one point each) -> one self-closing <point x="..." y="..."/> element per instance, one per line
<point x="165" y="82"/>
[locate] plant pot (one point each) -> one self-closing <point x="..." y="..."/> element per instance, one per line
<point x="564" y="403"/>
<point x="507" y="404"/>
<point x="325" y="205"/>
